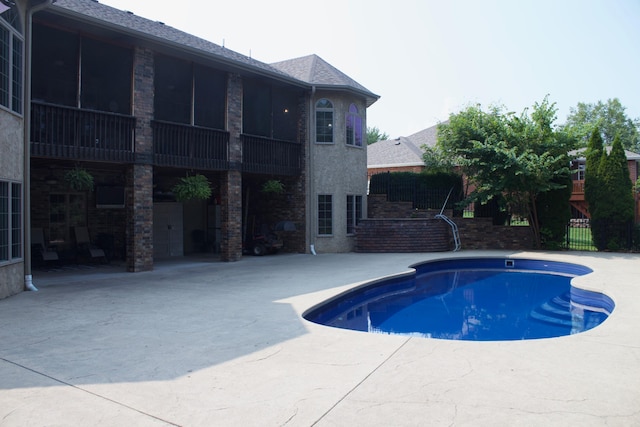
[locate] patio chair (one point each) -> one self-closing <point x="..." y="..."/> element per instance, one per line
<point x="40" y="248"/>
<point x="85" y="246"/>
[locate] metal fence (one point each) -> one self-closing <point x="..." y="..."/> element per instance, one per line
<point x="579" y="236"/>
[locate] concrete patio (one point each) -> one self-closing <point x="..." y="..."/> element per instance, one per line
<point x="204" y="343"/>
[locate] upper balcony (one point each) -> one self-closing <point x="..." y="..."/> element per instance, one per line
<point x="76" y="134"/>
<point x="87" y="135"/>
<point x="577" y="194"/>
<point x="271" y="156"/>
<point x="179" y="145"/>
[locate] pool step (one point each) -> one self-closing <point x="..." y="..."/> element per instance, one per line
<point x="554" y="312"/>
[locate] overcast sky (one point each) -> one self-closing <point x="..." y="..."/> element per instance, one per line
<point x="429" y="58"/>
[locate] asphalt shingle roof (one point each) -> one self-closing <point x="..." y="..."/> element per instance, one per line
<point x="143" y="28"/>
<point x="318" y="72"/>
<point x="403" y="151"/>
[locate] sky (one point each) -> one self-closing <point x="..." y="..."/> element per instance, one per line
<point x="427" y="59"/>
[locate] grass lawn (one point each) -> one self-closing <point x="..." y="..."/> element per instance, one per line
<point x="580" y="239"/>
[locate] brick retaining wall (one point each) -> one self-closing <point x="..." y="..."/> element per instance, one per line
<point x="397" y="227"/>
<point x="402" y="235"/>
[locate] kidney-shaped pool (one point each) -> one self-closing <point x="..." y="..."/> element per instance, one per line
<point x="480" y="299"/>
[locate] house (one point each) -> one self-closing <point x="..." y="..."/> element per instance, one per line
<point x="403" y="154"/>
<point x="138" y="105"/>
<point x="580" y="207"/>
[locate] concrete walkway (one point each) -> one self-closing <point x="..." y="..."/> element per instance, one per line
<point x="223" y="344"/>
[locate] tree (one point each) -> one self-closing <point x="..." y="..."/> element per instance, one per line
<point x="591" y="178"/>
<point x="509" y="156"/>
<point x="610" y="118"/>
<point x="612" y="215"/>
<point x="374" y="135"/>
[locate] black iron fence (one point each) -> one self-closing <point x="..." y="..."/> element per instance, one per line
<point x="580" y="236"/>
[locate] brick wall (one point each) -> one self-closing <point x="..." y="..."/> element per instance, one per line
<point x="403" y="235"/>
<point x="231" y="182"/>
<point x="396" y="227"/>
<point x="480" y="233"/>
<point x="139" y="232"/>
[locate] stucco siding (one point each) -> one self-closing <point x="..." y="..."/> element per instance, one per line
<point x="339" y="170"/>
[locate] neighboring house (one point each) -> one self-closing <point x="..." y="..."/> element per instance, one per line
<point x="403" y="154"/>
<point x="139" y="104"/>
<point x="578" y="166"/>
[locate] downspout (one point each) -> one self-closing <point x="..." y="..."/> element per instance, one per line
<point x="311" y="227"/>
<point x="26" y="186"/>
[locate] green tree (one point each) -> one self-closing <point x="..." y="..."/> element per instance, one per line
<point x="610" y="118"/>
<point x="613" y="213"/>
<point x="509" y="156"/>
<point x="591" y="178"/>
<point x="436" y="161"/>
<point x="374" y="135"/>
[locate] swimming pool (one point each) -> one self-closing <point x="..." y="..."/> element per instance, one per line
<point x="480" y="299"/>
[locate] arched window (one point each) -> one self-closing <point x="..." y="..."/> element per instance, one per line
<point x="324" y="121"/>
<point x="354" y="127"/>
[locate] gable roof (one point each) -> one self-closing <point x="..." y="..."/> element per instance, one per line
<point x="403" y="151"/>
<point x="318" y="72"/>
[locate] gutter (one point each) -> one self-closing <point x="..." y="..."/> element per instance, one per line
<point x="310" y="211"/>
<point x="26" y="182"/>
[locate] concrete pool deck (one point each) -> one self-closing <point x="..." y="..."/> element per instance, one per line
<point x="208" y="343"/>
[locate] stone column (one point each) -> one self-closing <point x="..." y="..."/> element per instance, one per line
<point x="140" y="174"/>
<point x="231" y="182"/>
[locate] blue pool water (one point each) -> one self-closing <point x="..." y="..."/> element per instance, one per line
<point x="481" y="299"/>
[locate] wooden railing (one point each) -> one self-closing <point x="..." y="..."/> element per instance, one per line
<point x="271" y="156"/>
<point x="578" y="186"/>
<point x="180" y="145"/>
<point x="72" y="133"/>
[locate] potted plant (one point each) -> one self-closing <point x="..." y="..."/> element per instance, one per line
<point x="273" y="186"/>
<point x="192" y="187"/>
<point x="79" y="179"/>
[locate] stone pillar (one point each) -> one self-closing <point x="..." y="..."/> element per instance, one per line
<point x="231" y="183"/>
<point x="140" y="218"/>
<point x="140" y="174"/>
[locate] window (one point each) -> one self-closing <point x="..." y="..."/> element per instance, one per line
<point x="354" y="212"/>
<point x="354" y="127"/>
<point x="11" y="66"/>
<point x="325" y="214"/>
<point x="10" y="221"/>
<point x="173" y="90"/>
<point x="209" y="97"/>
<point x="106" y="77"/>
<point x="324" y="121"/>
<point x="270" y="111"/>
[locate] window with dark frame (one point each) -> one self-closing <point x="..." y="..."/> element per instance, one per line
<point x="354" y="127"/>
<point x="325" y="214"/>
<point x="10" y="221"/>
<point x="11" y="63"/>
<point x="354" y="212"/>
<point x="324" y="121"/>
